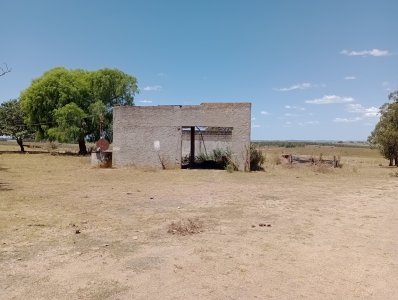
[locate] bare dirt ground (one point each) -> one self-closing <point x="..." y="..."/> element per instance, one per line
<point x="68" y="231"/>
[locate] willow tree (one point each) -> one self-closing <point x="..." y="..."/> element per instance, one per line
<point x="69" y="105"/>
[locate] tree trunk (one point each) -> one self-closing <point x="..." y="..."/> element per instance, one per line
<point x="82" y="147"/>
<point x="396" y="161"/>
<point x="391" y="162"/>
<point x="20" y="143"/>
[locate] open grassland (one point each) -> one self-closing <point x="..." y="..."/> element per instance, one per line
<point x="69" y="231"/>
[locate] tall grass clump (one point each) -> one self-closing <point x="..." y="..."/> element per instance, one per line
<point x="257" y="158"/>
<point x="218" y="158"/>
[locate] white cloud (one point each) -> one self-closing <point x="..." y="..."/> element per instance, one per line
<point x="152" y="88"/>
<point x="290" y="115"/>
<point x="350" y="78"/>
<point x="161" y="74"/>
<point x="308" y="123"/>
<point x="330" y="99"/>
<point x="364" y="53"/>
<point x="294" y="107"/>
<point x="347" y="120"/>
<point x="265" y="113"/>
<point x="301" y="86"/>
<point x="366" y="112"/>
<point x="253" y="119"/>
<point x="145" y="101"/>
<point x="311" y="122"/>
<point x="256" y="126"/>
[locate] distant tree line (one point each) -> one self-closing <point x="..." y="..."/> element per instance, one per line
<point x="294" y="144"/>
<point x="385" y="134"/>
<point x="282" y="144"/>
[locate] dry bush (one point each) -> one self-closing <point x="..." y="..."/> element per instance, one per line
<point x="323" y="168"/>
<point x="230" y="168"/>
<point x="257" y="158"/>
<point x="290" y="166"/>
<point x="51" y="146"/>
<point x="275" y="159"/>
<point x="394" y="174"/>
<point x="186" y="227"/>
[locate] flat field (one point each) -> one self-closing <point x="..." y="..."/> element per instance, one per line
<point x="69" y="231"/>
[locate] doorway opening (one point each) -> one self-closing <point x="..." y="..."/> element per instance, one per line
<point x="204" y="147"/>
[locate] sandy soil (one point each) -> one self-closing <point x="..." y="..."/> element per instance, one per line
<point x="333" y="234"/>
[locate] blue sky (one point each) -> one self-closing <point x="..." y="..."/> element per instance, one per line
<point x="312" y="69"/>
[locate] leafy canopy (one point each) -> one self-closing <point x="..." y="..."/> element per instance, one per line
<point x="70" y="120"/>
<point x="69" y="105"/>
<point x="385" y="134"/>
<point x="12" y="120"/>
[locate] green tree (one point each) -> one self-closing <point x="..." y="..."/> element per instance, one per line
<point x="70" y="105"/>
<point x="108" y="87"/>
<point x="12" y="122"/>
<point x="385" y="134"/>
<point x="70" y="124"/>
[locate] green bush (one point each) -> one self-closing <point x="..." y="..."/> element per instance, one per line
<point x="257" y="158"/>
<point x="230" y="168"/>
<point x="216" y="159"/>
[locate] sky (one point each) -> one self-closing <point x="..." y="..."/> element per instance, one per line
<point x="313" y="70"/>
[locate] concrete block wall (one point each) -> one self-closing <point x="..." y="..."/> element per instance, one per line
<point x="205" y="143"/>
<point x="151" y="136"/>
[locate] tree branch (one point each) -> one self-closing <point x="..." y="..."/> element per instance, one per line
<point x="5" y="70"/>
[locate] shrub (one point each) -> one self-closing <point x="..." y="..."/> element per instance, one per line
<point x="274" y="159"/>
<point x="394" y="174"/>
<point x="322" y="168"/>
<point x="186" y="227"/>
<point x="218" y="159"/>
<point x="257" y="158"/>
<point x="230" y="168"/>
<point x="51" y="146"/>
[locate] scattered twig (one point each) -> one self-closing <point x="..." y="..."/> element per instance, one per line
<point x="5" y="70"/>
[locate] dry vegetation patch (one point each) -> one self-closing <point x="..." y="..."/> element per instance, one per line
<point x="186" y="227"/>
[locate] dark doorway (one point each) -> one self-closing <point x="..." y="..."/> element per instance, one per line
<point x="205" y="147"/>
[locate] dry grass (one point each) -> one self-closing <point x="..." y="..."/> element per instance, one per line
<point x="186" y="227"/>
<point x="51" y="147"/>
<point x="323" y="168"/>
<point x="333" y="234"/>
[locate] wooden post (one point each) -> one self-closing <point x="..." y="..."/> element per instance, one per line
<point x="192" y="154"/>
